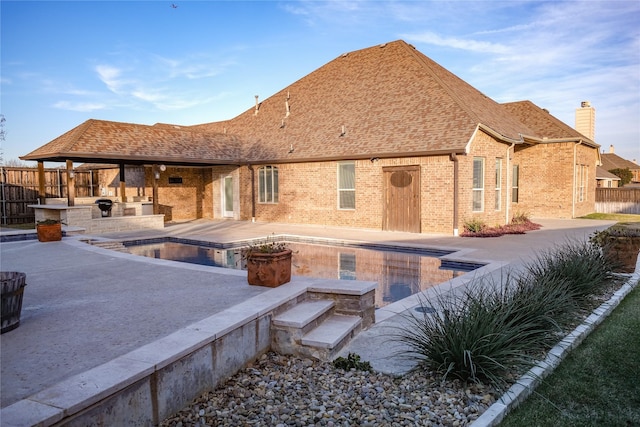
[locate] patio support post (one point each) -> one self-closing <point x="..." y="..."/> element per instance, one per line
<point x="155" y="175"/>
<point x="71" y="184"/>
<point x="42" y="195"/>
<point x="123" y="184"/>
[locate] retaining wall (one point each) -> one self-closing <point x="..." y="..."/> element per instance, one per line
<point x="147" y="385"/>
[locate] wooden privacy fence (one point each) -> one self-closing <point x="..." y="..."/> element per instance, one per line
<point x="19" y="188"/>
<point x="618" y="200"/>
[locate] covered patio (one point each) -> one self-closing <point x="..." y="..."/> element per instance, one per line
<point x="156" y="149"/>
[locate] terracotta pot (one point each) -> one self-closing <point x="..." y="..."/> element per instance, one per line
<point x="624" y="249"/>
<point x="272" y="270"/>
<point x="49" y="232"/>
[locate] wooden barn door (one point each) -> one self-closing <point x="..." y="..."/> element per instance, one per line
<point x="402" y="198"/>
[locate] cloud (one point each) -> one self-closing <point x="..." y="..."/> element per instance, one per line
<point x="84" y="107"/>
<point x="110" y="76"/>
<point x="458" y="43"/>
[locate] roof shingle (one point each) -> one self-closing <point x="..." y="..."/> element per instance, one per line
<point x="384" y="101"/>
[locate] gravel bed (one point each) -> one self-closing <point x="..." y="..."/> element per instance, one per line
<point x="287" y="391"/>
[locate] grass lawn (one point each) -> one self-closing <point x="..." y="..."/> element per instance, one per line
<point x="598" y="384"/>
<point x="613" y="217"/>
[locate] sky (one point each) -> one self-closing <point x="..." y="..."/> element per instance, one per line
<point x="191" y="62"/>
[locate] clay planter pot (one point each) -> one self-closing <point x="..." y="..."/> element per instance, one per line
<point x="49" y="232"/>
<point x="624" y="249"/>
<point x="269" y="269"/>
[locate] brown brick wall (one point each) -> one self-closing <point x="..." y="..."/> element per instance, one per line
<point x="547" y="185"/>
<point x="183" y="201"/>
<point x="308" y="191"/>
<point x="489" y="149"/>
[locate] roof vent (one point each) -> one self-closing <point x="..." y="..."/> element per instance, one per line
<point x="257" y="106"/>
<point x="383" y="45"/>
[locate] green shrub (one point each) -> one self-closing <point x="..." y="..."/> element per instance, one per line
<point x="587" y="271"/>
<point x="520" y="218"/>
<point x="488" y="330"/>
<point x="474" y="225"/>
<point x="352" y="361"/>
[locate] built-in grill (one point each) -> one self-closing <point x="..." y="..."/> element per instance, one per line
<point x="105" y="206"/>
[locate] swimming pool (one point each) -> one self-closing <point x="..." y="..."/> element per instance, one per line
<point x="399" y="271"/>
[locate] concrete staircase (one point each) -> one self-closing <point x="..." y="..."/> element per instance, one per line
<point x="110" y="244"/>
<point x="313" y="328"/>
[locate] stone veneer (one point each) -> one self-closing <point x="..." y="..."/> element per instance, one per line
<point x="145" y="386"/>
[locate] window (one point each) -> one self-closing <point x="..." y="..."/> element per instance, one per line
<point x="582" y="172"/>
<point x="268" y="184"/>
<point x="347" y="185"/>
<point x="347" y="266"/>
<point x="498" y="202"/>
<point x="478" y="184"/>
<point x="515" y="183"/>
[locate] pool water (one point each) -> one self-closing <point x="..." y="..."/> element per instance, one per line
<point x="400" y="272"/>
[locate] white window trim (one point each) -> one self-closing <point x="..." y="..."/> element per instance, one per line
<point x="340" y="190"/>
<point x="476" y="190"/>
<point x="498" y="198"/>
<point x="268" y="172"/>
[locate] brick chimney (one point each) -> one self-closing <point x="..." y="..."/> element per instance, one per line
<point x="586" y="120"/>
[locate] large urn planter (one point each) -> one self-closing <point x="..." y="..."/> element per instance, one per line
<point x="49" y="230"/>
<point x="269" y="269"/>
<point x="624" y="250"/>
<point x="12" y="285"/>
<point x="621" y="244"/>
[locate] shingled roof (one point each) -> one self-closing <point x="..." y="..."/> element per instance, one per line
<point x="543" y="124"/>
<point x="612" y="161"/>
<point x="390" y="100"/>
<point x="98" y="141"/>
<point x="384" y="101"/>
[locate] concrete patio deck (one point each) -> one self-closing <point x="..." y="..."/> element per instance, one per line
<point x="84" y="305"/>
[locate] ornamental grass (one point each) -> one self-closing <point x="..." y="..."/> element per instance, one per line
<point x="490" y="330"/>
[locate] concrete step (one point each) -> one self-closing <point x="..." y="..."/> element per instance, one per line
<point x="324" y="341"/>
<point x="114" y="246"/>
<point x="302" y="315"/>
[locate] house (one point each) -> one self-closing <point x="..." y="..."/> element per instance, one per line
<point x="379" y="138"/>
<point x="611" y="161"/>
<point x="605" y="179"/>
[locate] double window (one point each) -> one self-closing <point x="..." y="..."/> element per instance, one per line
<point x="268" y="184"/>
<point x="347" y="185"/>
<point x="478" y="184"/>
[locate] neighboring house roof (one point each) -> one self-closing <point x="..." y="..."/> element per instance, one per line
<point x="100" y="141"/>
<point x="384" y="101"/>
<point x="602" y="173"/>
<point x="613" y="161"/>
